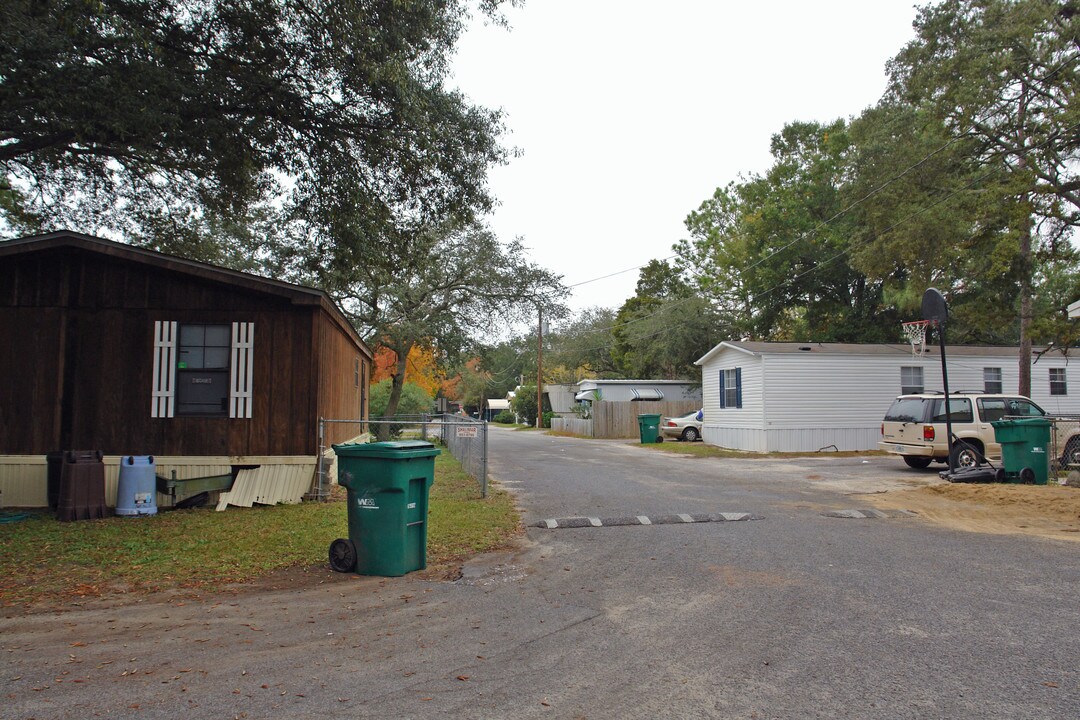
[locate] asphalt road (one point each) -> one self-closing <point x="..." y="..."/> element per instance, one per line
<point x="798" y="614"/>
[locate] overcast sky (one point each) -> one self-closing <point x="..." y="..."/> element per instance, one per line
<point x="629" y="114"/>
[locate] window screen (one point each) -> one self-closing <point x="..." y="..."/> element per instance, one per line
<point x="202" y="370"/>
<point x="1057" y="382"/>
<point x="731" y="388"/>
<point x="911" y="380"/>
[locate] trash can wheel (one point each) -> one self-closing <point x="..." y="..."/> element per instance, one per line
<point x="1000" y="476"/>
<point x="342" y="555"/>
<point x="1027" y="475"/>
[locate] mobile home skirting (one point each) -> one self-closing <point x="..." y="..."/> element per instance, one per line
<point x="24" y="478"/>
<point x="792" y="440"/>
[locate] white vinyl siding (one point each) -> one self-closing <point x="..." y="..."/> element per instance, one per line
<point x="739" y="428"/>
<point x="817" y="400"/>
<point x="807" y="401"/>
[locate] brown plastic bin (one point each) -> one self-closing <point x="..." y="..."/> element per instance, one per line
<point x="82" y="486"/>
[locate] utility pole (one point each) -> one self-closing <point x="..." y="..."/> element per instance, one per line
<point x="539" y="367"/>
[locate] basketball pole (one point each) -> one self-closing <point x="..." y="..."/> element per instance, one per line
<point x="936" y="310"/>
<point x="945" y="382"/>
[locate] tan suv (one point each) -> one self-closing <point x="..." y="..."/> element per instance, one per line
<point x="914" y="426"/>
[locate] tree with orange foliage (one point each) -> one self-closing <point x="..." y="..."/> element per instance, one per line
<point x="421" y="368"/>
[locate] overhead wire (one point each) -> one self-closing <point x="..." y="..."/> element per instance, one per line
<point x="832" y="259"/>
<point x="815" y="230"/>
<point x="804" y="236"/>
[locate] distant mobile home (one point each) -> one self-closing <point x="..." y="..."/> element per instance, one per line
<point x="636" y="390"/>
<point x="132" y="352"/>
<point x="797" y="397"/>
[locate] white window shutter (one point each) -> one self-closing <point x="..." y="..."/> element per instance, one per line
<point x="242" y="368"/>
<point x="164" y="389"/>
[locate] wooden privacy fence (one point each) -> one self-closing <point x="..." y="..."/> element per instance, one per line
<point x="575" y="425"/>
<point x="620" y="419"/>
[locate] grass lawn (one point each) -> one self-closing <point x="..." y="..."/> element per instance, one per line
<point x="43" y="560"/>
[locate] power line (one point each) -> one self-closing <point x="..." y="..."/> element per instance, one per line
<point x="804" y="236"/>
<point x="832" y="259"/>
<point x="620" y="272"/>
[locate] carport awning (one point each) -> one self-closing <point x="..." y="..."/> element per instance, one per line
<point x="498" y="404"/>
<point x="585" y="395"/>
<point x="647" y="394"/>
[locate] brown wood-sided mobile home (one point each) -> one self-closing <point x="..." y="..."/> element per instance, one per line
<point x="110" y="347"/>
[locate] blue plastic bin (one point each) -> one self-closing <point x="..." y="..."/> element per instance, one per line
<point x="136" y="488"/>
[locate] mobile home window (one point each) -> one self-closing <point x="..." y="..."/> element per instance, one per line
<point x="1057" y="382"/>
<point x="731" y="388"/>
<point x="992" y="380"/>
<point x="911" y="380"/>
<point x="202" y="370"/>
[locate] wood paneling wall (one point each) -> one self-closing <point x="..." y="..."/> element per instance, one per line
<point x="78" y="367"/>
<point x="342" y="395"/>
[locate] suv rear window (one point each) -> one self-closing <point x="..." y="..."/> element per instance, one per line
<point x="959" y="408"/>
<point x="907" y="410"/>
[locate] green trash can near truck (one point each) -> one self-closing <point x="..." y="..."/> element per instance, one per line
<point x="649" y="428"/>
<point x="388" y="484"/>
<point x="1025" y="450"/>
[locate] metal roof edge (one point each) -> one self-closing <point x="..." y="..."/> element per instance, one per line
<point x="299" y="294"/>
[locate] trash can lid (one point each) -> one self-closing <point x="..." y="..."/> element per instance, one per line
<point x="1035" y="421"/>
<point x="393" y="448"/>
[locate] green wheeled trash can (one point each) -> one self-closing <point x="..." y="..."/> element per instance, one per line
<point x="649" y="428"/>
<point x="1025" y="450"/>
<point x="388" y="485"/>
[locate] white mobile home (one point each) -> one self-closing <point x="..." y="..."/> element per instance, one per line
<point x="560" y="397"/>
<point x="795" y="397"/>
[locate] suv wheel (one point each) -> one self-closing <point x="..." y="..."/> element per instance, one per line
<point x="966" y="454"/>
<point x="690" y="434"/>
<point x="917" y="461"/>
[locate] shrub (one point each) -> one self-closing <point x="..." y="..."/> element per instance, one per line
<point x="414" y="399"/>
<point x="547" y="419"/>
<point x="505" y="417"/>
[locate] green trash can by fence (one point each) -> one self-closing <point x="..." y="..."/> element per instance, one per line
<point x="388" y="485"/>
<point x="649" y="428"/>
<point x="1025" y="449"/>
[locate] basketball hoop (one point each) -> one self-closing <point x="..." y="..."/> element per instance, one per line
<point x="915" y="332"/>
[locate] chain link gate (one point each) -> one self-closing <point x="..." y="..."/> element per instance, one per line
<point x="1065" y="443"/>
<point x="466" y="438"/>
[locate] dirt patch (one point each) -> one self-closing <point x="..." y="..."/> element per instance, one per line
<point x="1050" y="511"/>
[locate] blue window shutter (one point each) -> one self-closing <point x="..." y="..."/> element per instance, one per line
<point x="738" y="387"/>
<point x="723" y="404"/>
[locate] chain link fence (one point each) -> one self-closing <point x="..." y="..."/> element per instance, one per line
<point x="464" y="437"/>
<point x="1065" y="443"/>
